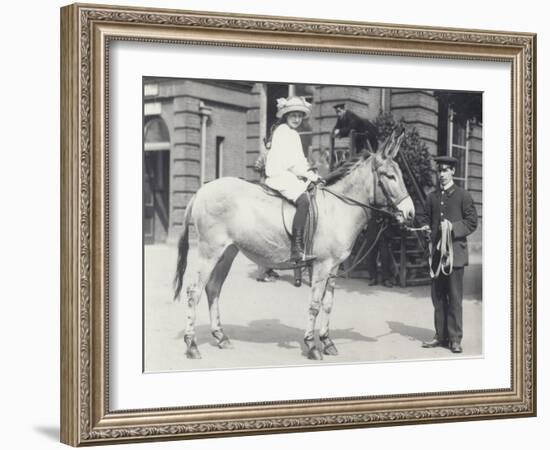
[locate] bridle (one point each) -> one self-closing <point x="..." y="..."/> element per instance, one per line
<point x="388" y="209"/>
<point x="391" y="204"/>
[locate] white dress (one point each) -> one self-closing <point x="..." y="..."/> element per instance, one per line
<point x="286" y="162"/>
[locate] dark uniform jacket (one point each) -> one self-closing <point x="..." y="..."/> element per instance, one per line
<point x="456" y="205"/>
<point x="351" y="121"/>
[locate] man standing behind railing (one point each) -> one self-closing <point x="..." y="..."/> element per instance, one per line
<point x="366" y="133"/>
<point x="449" y="216"/>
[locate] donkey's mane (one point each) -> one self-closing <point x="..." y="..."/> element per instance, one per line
<point x="344" y="169"/>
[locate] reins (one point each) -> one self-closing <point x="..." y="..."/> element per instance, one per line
<point x="353" y="202"/>
<point x="392" y="214"/>
<point x="367" y="253"/>
<point x="348" y="201"/>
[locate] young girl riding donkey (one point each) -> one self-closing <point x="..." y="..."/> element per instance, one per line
<point x="287" y="170"/>
<point x="232" y="215"/>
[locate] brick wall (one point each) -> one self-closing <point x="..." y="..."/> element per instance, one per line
<point x="475" y="179"/>
<point x="185" y="159"/>
<point x="418" y="109"/>
<point x="256" y="124"/>
<point x="229" y="123"/>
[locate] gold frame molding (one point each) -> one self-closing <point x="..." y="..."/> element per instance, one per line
<point x="86" y="31"/>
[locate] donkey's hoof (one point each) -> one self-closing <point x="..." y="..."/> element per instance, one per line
<point x="315" y="354"/>
<point x="222" y="341"/>
<point x="297" y="283"/>
<point x="330" y="349"/>
<point x="193" y="353"/>
<point x="225" y="344"/>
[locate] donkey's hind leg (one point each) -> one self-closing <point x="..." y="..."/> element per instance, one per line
<point x="206" y="262"/>
<point x="213" y="288"/>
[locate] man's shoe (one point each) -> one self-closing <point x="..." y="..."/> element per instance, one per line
<point x="388" y="283"/>
<point x="266" y="278"/>
<point x="456" y="347"/>
<point x="271" y="273"/>
<point x="434" y="343"/>
<point x="373" y="282"/>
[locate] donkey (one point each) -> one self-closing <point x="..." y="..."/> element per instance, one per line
<point x="232" y="215"/>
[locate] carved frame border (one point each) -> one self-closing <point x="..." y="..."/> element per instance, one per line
<point x="86" y="31"/>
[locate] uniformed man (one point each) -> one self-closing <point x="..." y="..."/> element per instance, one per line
<point x="449" y="216"/>
<point x="367" y="133"/>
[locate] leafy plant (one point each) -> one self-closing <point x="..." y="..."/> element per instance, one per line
<point x="413" y="149"/>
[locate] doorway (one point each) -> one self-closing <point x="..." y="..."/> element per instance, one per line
<point x="156" y="182"/>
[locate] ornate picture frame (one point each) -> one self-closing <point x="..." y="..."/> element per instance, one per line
<point x="86" y="35"/>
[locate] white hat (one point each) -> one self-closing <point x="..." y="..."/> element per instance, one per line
<point x="291" y="104"/>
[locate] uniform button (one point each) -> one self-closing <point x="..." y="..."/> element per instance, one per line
<point x="441" y="214"/>
<point x="442" y="203"/>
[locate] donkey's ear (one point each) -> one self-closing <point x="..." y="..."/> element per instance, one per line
<point x="393" y="151"/>
<point x="384" y="150"/>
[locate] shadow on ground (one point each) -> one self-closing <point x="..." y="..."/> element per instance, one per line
<point x="410" y="332"/>
<point x="272" y="331"/>
<point x="472" y="287"/>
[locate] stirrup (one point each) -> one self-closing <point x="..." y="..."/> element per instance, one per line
<point x="302" y="259"/>
<point x="292" y="263"/>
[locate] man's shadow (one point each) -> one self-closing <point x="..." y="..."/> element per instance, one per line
<point x="408" y="331"/>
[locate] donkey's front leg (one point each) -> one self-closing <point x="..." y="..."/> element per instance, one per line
<point x="328" y="300"/>
<point x="319" y="285"/>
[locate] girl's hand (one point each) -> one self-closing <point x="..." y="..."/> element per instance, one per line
<point x="314" y="177"/>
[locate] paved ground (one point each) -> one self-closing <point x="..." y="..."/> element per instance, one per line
<point x="265" y="321"/>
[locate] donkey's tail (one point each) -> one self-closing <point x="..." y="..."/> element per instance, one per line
<point x="183" y="249"/>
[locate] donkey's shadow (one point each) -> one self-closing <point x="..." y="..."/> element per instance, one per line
<point x="272" y="331"/>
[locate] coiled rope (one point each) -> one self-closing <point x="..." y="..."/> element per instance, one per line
<point x="445" y="247"/>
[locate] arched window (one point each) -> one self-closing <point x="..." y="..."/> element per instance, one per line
<point x="156" y="135"/>
<point x="156" y="181"/>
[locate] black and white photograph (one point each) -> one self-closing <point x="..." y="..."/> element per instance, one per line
<point x="223" y="225"/>
<point x="290" y="224"/>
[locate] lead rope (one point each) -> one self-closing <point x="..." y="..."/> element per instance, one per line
<point x="350" y="201"/>
<point x="445" y="247"/>
<point x="356" y="263"/>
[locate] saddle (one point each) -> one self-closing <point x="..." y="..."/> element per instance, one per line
<point x="287" y="215"/>
<point x="311" y="223"/>
<point x="272" y="192"/>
